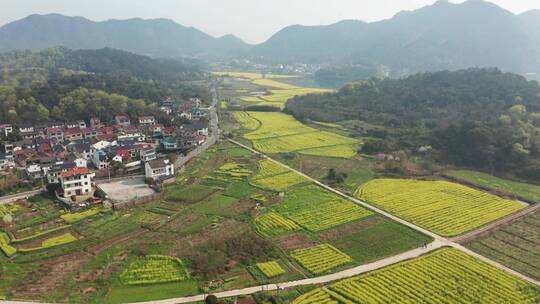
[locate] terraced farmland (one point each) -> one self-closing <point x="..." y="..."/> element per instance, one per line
<point x="321" y="258"/>
<point x="280" y="133"/>
<point x="445" y="276"/>
<point x="516" y="245"/>
<point x="310" y="207"/>
<point x="446" y="208"/>
<point x="154" y="269"/>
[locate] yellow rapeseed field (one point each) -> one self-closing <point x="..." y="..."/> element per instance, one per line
<point x="443" y="207"/>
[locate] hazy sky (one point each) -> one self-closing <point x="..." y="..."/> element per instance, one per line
<point x="251" y="20"/>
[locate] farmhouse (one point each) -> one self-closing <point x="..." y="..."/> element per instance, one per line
<point x="158" y="169"/>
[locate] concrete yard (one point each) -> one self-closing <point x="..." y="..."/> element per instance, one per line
<point x="126" y="190"/>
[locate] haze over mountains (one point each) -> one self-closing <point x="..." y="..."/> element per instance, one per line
<point x="436" y="37"/>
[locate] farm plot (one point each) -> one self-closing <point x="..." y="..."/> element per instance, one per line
<point x="321" y="258"/>
<point x="246" y="120"/>
<point x="51" y="242"/>
<point x="527" y="191"/>
<point x="228" y="172"/>
<point x="272" y="176"/>
<point x="516" y="245"/>
<point x="445" y="276"/>
<point x="317" y="209"/>
<point x="281" y="133"/>
<point x="272" y="224"/>
<point x="445" y="208"/>
<point x="154" y="269"/>
<point x="271" y="269"/>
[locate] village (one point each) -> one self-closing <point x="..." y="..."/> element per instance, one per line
<point x="68" y="158"/>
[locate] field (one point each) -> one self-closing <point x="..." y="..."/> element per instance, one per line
<point x="189" y="195"/>
<point x="321" y="258"/>
<point x="445" y="276"/>
<point x="445" y="208"/>
<point x="527" y="191"/>
<point x="155" y="269"/>
<point x="278" y="92"/>
<point x="52" y="242"/>
<point x="281" y="133"/>
<point x="246" y="120"/>
<point x="515" y="245"/>
<point x="272" y="224"/>
<point x="271" y="269"/>
<point x="5" y="247"/>
<point x="373" y="238"/>
<point x="309" y="207"/>
<point x="71" y="218"/>
<point x="274" y="177"/>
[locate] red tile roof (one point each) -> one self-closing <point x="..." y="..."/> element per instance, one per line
<point x="75" y="172"/>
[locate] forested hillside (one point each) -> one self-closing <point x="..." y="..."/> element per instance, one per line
<point x="59" y="84"/>
<point x="478" y="117"/>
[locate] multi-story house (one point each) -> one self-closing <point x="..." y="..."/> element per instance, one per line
<point x="122" y="120"/>
<point x="75" y="182"/>
<point x="56" y="134"/>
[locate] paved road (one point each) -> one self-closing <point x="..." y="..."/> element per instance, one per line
<point x="214" y="132"/>
<point x="11" y="198"/>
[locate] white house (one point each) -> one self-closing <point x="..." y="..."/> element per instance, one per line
<point x="158" y="168"/>
<point x="76" y="181"/>
<point x="147" y="120"/>
<point x="100" y="145"/>
<point x="34" y="171"/>
<point x="6" y="129"/>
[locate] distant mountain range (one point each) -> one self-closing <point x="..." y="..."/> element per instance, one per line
<point x="156" y="37"/>
<point x="436" y="37"/>
<point x="441" y="36"/>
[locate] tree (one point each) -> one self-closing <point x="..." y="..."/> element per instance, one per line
<point x="211" y="299"/>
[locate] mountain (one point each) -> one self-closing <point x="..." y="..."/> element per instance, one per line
<point x="436" y="37"/>
<point x="156" y="37"/>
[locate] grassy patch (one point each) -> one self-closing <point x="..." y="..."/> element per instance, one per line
<point x="215" y="206"/>
<point x="126" y="294"/>
<point x="379" y="239"/>
<point x="239" y="190"/>
<point x="190" y="194"/>
<point x="527" y="191"/>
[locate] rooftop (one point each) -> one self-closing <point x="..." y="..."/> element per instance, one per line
<point x="75" y="172"/>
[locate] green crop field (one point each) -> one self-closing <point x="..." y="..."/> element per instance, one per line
<point x="443" y="207"/>
<point x="309" y="207"/>
<point x="155" y="269"/>
<point x="280" y="133"/>
<point x="321" y="258"/>
<point x="445" y="276"/>
<point x="527" y="191"/>
<point x="515" y="245"/>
